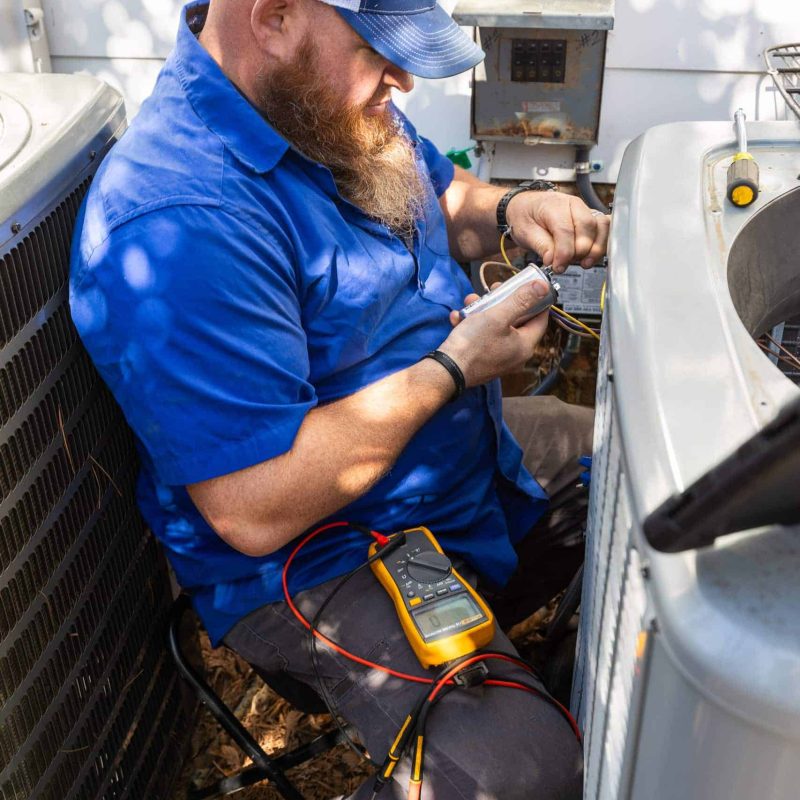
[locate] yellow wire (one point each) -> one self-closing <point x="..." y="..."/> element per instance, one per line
<point x="564" y="327"/>
<point x="553" y="309"/>
<point x="562" y="313"/>
<point x="603" y="298"/>
<point x="503" y="251"/>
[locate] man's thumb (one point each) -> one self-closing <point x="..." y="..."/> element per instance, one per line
<point x="523" y="299"/>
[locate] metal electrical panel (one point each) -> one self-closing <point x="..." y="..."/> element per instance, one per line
<point x="542" y="80"/>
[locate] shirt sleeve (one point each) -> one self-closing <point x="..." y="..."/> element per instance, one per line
<point x="192" y="317"/>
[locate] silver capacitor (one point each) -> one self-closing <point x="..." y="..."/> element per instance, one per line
<point x="507" y="288"/>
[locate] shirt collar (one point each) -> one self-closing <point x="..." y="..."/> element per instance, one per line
<point x="218" y="102"/>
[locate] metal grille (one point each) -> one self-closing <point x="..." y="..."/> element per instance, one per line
<point x="90" y="706"/>
<point x="783" y="348"/>
<point x="783" y="64"/>
<point x="613" y="605"/>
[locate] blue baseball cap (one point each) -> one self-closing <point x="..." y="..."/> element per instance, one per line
<point x="418" y="36"/>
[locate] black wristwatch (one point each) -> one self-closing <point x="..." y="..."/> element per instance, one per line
<point x="526" y="186"/>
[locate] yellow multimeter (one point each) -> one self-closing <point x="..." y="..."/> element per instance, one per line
<point x="442" y="616"/>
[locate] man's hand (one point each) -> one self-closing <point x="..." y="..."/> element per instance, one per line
<point x="562" y="229"/>
<point x="487" y="345"/>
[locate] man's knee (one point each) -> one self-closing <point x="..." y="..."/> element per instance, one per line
<point x="552" y="435"/>
<point x="515" y="749"/>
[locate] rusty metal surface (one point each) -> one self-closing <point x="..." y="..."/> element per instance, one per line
<point x="539" y="112"/>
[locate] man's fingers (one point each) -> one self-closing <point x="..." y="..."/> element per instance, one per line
<point x="455" y="317"/>
<point x="557" y="219"/>
<point x="598" y="250"/>
<point x="587" y="230"/>
<point x="564" y="234"/>
<point x="562" y="229"/>
<point x="533" y="330"/>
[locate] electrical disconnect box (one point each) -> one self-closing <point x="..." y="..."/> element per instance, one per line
<point x="542" y="78"/>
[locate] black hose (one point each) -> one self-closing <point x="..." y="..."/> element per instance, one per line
<point x="584" y="183"/>
<point x="571" y="349"/>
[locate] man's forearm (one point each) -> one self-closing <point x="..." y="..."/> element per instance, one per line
<point x="470" y="207"/>
<point x="341" y="450"/>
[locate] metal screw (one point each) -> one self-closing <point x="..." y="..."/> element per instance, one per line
<point x="92" y="155"/>
<point x="610" y="376"/>
<point x="16" y="227"/>
<point x="645" y="572"/>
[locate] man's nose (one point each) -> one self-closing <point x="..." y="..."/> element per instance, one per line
<point x="398" y="78"/>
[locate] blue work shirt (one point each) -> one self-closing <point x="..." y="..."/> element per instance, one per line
<point x="224" y="288"/>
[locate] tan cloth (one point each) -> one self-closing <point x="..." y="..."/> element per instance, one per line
<point x="553" y="436"/>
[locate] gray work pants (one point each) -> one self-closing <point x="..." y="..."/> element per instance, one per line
<point x="482" y="744"/>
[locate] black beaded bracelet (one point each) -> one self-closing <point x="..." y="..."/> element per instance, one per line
<point x="455" y="371"/>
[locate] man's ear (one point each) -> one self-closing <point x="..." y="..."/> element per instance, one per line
<point x="277" y="26"/>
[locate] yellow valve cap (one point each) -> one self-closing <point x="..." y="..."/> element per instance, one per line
<point x="742" y="196"/>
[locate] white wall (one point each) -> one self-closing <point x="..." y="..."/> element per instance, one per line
<point x="667" y="60"/>
<point x="15" y="52"/>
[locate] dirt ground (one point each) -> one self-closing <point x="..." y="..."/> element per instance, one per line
<point x="276" y="725"/>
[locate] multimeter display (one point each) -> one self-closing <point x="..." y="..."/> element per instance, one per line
<point x="448" y="616"/>
<point x="442" y="616"/>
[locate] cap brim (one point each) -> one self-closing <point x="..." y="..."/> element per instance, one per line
<point x="427" y="44"/>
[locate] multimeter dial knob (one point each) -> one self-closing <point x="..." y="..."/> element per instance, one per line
<point x="429" y="567"/>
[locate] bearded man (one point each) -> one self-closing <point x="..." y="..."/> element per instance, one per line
<point x="263" y="265"/>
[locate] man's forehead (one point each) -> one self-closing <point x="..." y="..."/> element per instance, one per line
<point x="325" y="22"/>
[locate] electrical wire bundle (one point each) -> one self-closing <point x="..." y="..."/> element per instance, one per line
<point x="464" y="673"/>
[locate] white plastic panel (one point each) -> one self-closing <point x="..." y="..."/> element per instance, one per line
<point x="613" y="608"/>
<point x="134" y="78"/>
<point x="710" y="709"/>
<point x="15" y="128"/>
<point x="65" y="111"/>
